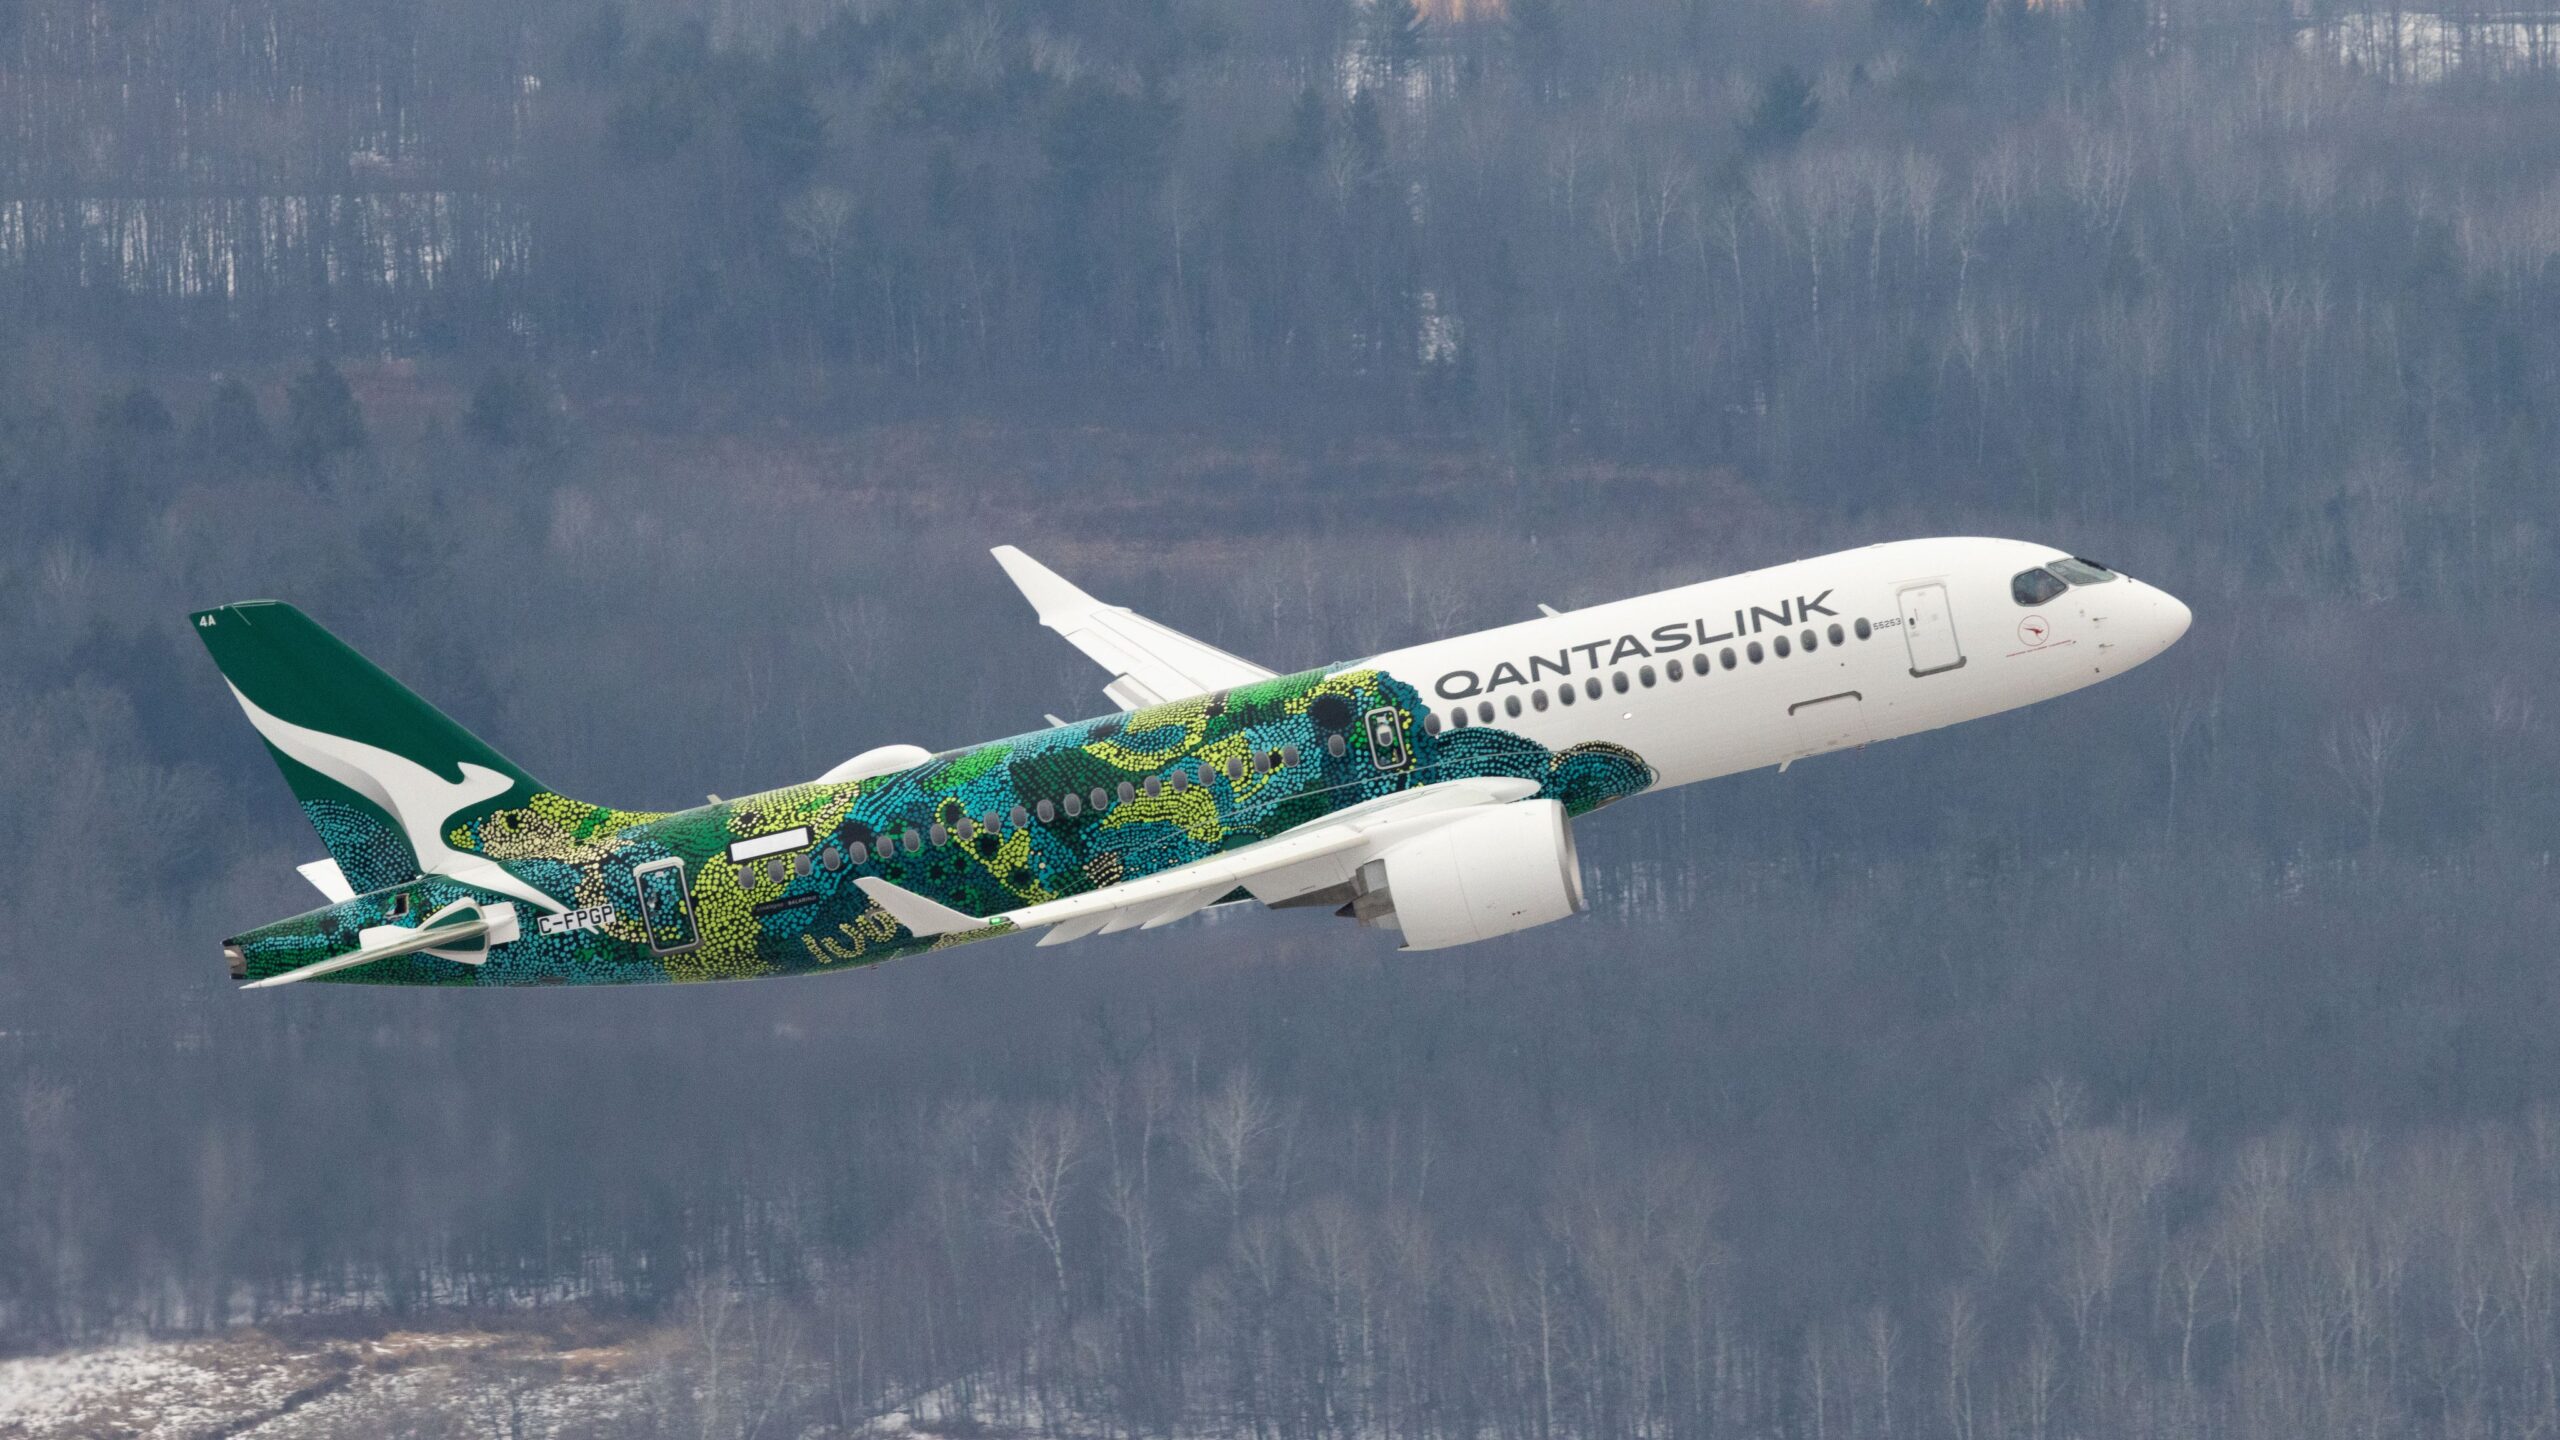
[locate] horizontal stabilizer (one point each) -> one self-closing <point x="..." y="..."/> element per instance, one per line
<point x="463" y="931"/>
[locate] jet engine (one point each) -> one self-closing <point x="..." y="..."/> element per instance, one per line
<point x="1489" y="873"/>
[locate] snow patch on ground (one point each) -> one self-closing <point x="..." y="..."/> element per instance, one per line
<point x="250" y="1384"/>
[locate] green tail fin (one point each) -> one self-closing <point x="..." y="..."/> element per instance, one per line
<point x="381" y="773"/>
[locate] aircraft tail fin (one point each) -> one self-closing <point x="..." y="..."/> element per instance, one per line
<point x="380" y="772"/>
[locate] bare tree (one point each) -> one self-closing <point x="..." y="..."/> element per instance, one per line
<point x="1048" y="1147"/>
<point x="2362" y="752"/>
<point x="1226" y="1134"/>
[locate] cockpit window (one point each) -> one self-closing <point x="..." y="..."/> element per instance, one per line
<point x="2035" y="587"/>
<point x="2081" y="572"/>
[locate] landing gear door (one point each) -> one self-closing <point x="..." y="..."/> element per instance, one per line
<point x="666" y="906"/>
<point x="1930" y="630"/>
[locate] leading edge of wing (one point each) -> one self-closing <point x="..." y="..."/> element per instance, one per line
<point x="1169" y="895"/>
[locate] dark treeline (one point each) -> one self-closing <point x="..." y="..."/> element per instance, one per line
<point x="1994" y="255"/>
<point x="645" y="384"/>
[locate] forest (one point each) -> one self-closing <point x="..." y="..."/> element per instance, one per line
<point x="644" y="383"/>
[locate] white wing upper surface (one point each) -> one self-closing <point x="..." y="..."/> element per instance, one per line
<point x="1149" y="663"/>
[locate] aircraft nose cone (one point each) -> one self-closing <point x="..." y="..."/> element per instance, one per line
<point x="2174" y="618"/>
<point x="2140" y="621"/>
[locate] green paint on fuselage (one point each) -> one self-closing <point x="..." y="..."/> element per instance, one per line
<point x="736" y="922"/>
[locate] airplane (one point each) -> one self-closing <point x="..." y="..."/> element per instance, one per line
<point x="1428" y="791"/>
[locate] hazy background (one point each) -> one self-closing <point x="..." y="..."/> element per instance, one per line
<point x="2175" y="1058"/>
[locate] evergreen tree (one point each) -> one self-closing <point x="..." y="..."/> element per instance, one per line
<point x="1394" y="42"/>
<point x="231" y="431"/>
<point x="322" y="419"/>
<point x="510" y="412"/>
<point x="134" y="416"/>
<point x="1535" y="31"/>
<point x="1302" y="148"/>
<point x="1783" y="114"/>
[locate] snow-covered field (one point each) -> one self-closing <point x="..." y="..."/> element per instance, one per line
<point x="251" y="1384"/>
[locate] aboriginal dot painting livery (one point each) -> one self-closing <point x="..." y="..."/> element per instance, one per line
<point x="1429" y="791"/>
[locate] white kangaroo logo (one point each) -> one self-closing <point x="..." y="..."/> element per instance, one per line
<point x="409" y="792"/>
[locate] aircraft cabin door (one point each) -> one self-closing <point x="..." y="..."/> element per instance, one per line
<point x="666" y="905"/>
<point x="1929" y="629"/>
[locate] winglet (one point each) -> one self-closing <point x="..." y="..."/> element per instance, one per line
<point x="1149" y="664"/>
<point x="922" y="916"/>
<point x="1051" y="594"/>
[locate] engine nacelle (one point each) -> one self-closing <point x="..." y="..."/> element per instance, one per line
<point x="1498" y="870"/>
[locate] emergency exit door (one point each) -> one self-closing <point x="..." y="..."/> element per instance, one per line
<point x="666" y="905"/>
<point x="1929" y="630"/>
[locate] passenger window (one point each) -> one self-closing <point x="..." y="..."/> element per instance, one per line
<point x="1728" y="657"/>
<point x="2035" y="587"/>
<point x="1337" y="747"/>
<point x="1235" y="768"/>
<point x="1591" y="687"/>
<point x="1619" y="682"/>
<point x="1484" y="712"/>
<point x="1752" y="650"/>
<point x="1835" y="632"/>
<point x="1072" y="804"/>
<point x="2081" y="571"/>
<point x="1457" y="721"/>
<point x="1863" y="628"/>
<point x="1155" y="786"/>
<point x="1671" y="669"/>
<point x="941" y="837"/>
<point x="1021" y="817"/>
<point x="1099" y="799"/>
<point x="860" y="852"/>
<point x="888" y="847"/>
<point x="1181" y="781"/>
<point x="1565" y="694"/>
<point x="1046" y="811"/>
<point x="1430" y="726"/>
<point x="1779" y="644"/>
<point x="1128" y="792"/>
<point x="1538" y="699"/>
<point x="914" y="842"/>
<point x="1644" y="676"/>
<point x="966" y="828"/>
<point x="1811" y="644"/>
<point x="1511" y="706"/>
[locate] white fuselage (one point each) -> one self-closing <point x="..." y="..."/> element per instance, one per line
<point x="1929" y="633"/>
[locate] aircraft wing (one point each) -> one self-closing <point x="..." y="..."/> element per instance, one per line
<point x="1149" y="663"/>
<point x="1312" y="857"/>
